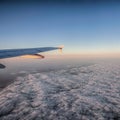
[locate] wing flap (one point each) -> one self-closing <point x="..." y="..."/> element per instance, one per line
<point x="35" y="56"/>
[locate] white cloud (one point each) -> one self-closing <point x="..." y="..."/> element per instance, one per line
<point x="91" y="92"/>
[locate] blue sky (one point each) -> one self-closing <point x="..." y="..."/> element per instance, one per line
<point x="82" y="28"/>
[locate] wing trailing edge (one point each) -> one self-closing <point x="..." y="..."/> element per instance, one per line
<point x="35" y="56"/>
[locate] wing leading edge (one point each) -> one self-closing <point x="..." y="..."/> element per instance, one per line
<point x="28" y="51"/>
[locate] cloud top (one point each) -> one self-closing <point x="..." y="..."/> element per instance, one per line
<point x="90" y="92"/>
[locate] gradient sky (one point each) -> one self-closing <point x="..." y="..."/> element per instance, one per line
<point x="82" y="28"/>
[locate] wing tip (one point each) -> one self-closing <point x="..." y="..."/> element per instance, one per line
<point x="61" y="47"/>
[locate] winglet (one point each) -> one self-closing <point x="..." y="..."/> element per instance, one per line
<point x="60" y="48"/>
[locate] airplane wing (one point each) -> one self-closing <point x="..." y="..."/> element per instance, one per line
<point x="7" y="53"/>
<point x="32" y="52"/>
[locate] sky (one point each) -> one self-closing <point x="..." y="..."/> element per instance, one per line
<point x="82" y="28"/>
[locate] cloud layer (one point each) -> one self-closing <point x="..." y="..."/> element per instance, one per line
<point x="79" y="93"/>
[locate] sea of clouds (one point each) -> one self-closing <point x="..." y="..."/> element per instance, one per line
<point x="77" y="93"/>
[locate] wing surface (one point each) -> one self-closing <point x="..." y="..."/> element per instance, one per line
<point x="7" y="53"/>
